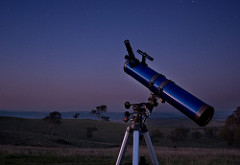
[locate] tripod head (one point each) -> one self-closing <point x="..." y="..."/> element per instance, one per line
<point x="140" y="110"/>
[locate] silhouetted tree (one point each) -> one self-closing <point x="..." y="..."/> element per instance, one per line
<point x="227" y="134"/>
<point x="231" y="131"/>
<point x="98" y="112"/>
<point x="76" y="115"/>
<point x="105" y="118"/>
<point x="53" y="119"/>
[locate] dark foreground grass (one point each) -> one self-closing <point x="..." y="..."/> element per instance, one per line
<point x="66" y="160"/>
<point x="18" y="155"/>
<point x="107" y="160"/>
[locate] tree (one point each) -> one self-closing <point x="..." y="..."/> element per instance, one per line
<point x="231" y="131"/>
<point x="105" y="118"/>
<point x="53" y="119"/>
<point x="234" y="119"/>
<point x="76" y="115"/>
<point x="99" y="110"/>
<point x="227" y="134"/>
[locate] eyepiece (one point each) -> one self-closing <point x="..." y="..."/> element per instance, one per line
<point x="129" y="49"/>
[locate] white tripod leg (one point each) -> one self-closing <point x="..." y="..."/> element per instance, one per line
<point x="150" y="148"/>
<point x="123" y="147"/>
<point x="135" y="147"/>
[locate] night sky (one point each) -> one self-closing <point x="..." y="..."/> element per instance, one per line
<point x="68" y="55"/>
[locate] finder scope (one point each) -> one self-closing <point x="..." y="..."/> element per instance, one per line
<point x="165" y="89"/>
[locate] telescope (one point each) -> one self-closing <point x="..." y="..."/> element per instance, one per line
<point x="165" y="89"/>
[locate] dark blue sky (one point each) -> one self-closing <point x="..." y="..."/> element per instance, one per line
<point x="68" y="55"/>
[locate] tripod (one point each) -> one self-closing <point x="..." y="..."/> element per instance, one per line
<point x="137" y="127"/>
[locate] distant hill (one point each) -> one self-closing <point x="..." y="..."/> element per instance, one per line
<point x="71" y="132"/>
<point x="83" y="114"/>
<point x="75" y="133"/>
<point x="114" y="116"/>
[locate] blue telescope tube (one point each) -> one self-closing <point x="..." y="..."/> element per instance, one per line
<point x="168" y="91"/>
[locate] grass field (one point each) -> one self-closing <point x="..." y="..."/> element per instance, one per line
<point x="17" y="155"/>
<point x="28" y="141"/>
<point x="35" y="132"/>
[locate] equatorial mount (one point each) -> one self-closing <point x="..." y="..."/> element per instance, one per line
<point x="141" y="111"/>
